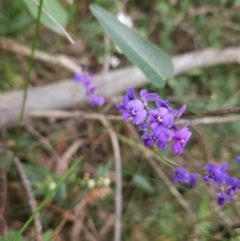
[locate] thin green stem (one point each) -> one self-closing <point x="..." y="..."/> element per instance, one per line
<point x="156" y="154"/>
<point x="30" y="67"/>
<point x="49" y="196"/>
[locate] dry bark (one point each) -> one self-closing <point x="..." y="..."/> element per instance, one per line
<point x="66" y="94"/>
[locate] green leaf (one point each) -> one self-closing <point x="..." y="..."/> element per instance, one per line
<point x="44" y="177"/>
<point x="10" y="235"/>
<point x="55" y="9"/>
<point x="143" y="183"/>
<point x="47" y="235"/>
<point x="153" y="62"/>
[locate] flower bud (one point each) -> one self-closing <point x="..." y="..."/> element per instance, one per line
<point x="91" y="183"/>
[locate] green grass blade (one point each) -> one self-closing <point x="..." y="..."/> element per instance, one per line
<point x="153" y="62"/>
<point x="50" y="194"/>
<point x="53" y="8"/>
<point x="30" y="66"/>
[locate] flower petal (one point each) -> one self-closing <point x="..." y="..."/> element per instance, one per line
<point x="136" y="105"/>
<point x="177" y="147"/>
<point x="139" y="117"/>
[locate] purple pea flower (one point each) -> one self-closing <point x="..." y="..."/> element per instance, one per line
<point x="143" y="127"/>
<point x="136" y="110"/>
<point x="126" y="99"/>
<point x="193" y="178"/>
<point x="224" y="168"/>
<point x="222" y="197"/>
<point x="238" y="159"/>
<point x="96" y="100"/>
<point x="164" y="103"/>
<point x="85" y="79"/>
<point x="160" y="118"/>
<point x="91" y="90"/>
<point x="161" y="136"/>
<point x="131" y="94"/>
<point x="164" y="136"/>
<point x="145" y="96"/>
<point x="179" y="112"/>
<point x="124" y="104"/>
<point x="181" y="138"/>
<point x="148" y="139"/>
<point x="181" y="175"/>
<point x="216" y="173"/>
<point x="234" y="183"/>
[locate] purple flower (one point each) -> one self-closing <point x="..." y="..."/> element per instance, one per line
<point x="222" y="197"/>
<point x="238" y="159"/>
<point x="91" y="90"/>
<point x="143" y="127"/>
<point x="234" y="183"/>
<point x="164" y="103"/>
<point x="216" y="173"/>
<point x="136" y="110"/>
<point x="126" y="99"/>
<point x="179" y="112"/>
<point x="124" y="104"/>
<point x="161" y="136"/>
<point x="148" y="139"/>
<point x="160" y="118"/>
<point x="145" y="96"/>
<point x="224" y="168"/>
<point x="96" y="100"/>
<point x="85" y="79"/>
<point x="181" y="138"/>
<point x="193" y="178"/>
<point x="164" y="135"/>
<point x="181" y="175"/>
<point x="130" y="94"/>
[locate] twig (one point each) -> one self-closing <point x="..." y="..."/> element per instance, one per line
<point x="118" y="168"/>
<point x="30" y="195"/>
<point x="171" y="187"/>
<point x="59" y="227"/>
<point x="58" y="59"/>
<point x="3" y="193"/>
<point x="67" y="155"/>
<point x="90" y="237"/>
<point x="214" y="112"/>
<point x="44" y="141"/>
<point x="56" y="22"/>
<point x="80" y="212"/>
<point x="107" y="226"/>
<point x="58" y="114"/>
<point x="215" y="120"/>
<point x="46" y="144"/>
<point x="205" y="141"/>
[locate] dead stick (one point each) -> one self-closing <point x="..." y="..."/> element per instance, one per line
<point x="30" y="195"/>
<point x="118" y="169"/>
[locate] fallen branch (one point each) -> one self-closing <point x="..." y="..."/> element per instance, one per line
<point x="59" y="114"/>
<point x="57" y="59"/>
<point x="66" y="94"/>
<point x="30" y="195"/>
